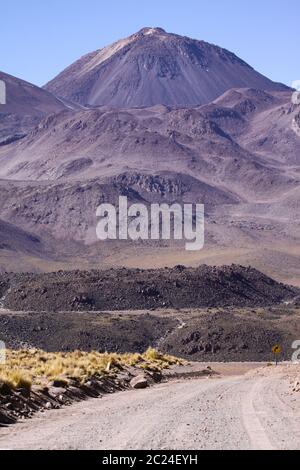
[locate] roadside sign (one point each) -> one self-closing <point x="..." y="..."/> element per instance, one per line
<point x="276" y="350"/>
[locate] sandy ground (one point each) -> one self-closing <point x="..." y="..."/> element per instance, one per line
<point x="257" y="410"/>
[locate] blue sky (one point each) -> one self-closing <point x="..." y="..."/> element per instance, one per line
<point x="39" y="38"/>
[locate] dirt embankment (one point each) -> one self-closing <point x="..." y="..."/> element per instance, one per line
<point x="135" y="289"/>
<point x="26" y="388"/>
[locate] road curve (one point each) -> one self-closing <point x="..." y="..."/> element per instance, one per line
<point x="246" y="412"/>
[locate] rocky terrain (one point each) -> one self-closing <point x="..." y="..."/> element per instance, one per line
<point x="85" y="331"/>
<point x="198" y="314"/>
<point x="137" y="289"/>
<point x="217" y="335"/>
<point x="235" y="334"/>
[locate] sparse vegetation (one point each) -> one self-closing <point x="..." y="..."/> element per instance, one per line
<point x="27" y="367"/>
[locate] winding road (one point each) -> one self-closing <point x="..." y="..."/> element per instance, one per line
<point x="244" y="412"/>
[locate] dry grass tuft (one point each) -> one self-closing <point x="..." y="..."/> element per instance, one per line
<point x="27" y="367"/>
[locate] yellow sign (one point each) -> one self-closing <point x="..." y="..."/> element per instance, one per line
<point x="276" y="349"/>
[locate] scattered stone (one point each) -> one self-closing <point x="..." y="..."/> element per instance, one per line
<point x="296" y="386"/>
<point x="55" y="392"/>
<point x="143" y="289"/>
<point x="59" y="383"/>
<point x="4" y="389"/>
<point x="139" y="382"/>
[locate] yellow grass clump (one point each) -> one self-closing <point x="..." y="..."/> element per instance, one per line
<point x="27" y="367"/>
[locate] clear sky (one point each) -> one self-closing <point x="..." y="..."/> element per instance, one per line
<point x="39" y="38"/>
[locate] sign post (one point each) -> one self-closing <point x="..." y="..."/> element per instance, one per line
<point x="276" y="350"/>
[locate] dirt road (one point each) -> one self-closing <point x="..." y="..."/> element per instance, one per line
<point x="254" y="411"/>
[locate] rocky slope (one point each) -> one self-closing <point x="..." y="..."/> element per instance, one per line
<point x="225" y="334"/>
<point x="25" y="105"/>
<point x="54" y="179"/>
<point x="142" y="289"/>
<point x="218" y="144"/>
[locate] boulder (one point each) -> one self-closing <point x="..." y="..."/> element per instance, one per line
<point x="139" y="382"/>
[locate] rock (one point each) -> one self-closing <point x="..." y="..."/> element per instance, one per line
<point x="139" y="382"/>
<point x="296" y="386"/>
<point x="155" y="376"/>
<point x="59" y="383"/>
<point x="25" y="392"/>
<point x="55" y="392"/>
<point x="4" y="389"/>
<point x="124" y="377"/>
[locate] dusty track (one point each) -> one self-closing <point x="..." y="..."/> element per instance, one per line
<point x="255" y="411"/>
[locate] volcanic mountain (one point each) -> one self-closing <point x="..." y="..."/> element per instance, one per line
<point x="217" y="133"/>
<point x="25" y="105"/>
<point x="154" y="67"/>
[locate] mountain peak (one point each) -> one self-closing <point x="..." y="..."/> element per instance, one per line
<point x="147" y="31"/>
<point x="154" y="67"/>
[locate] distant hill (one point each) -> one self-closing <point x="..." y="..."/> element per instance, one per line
<point x="25" y="105"/>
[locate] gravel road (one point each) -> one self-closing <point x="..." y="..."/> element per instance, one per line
<point x="254" y="411"/>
